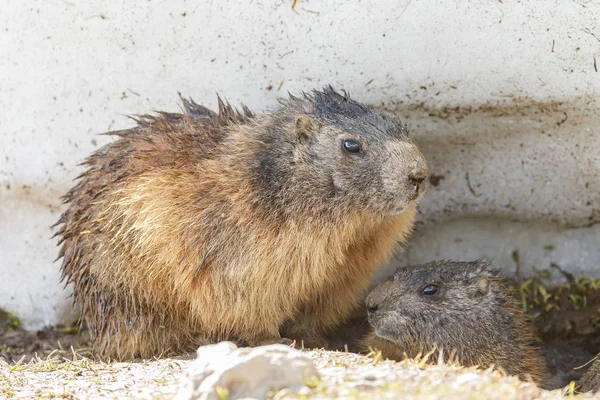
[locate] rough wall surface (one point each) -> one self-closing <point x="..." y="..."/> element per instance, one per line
<point x="501" y="96"/>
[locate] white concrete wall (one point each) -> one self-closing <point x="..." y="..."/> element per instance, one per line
<point x="504" y="91"/>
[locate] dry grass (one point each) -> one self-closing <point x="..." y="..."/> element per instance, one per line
<point x="74" y="377"/>
<point x="353" y="376"/>
<point x="343" y="375"/>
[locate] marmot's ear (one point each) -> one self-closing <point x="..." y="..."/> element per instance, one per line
<point x="304" y="127"/>
<point x="480" y="287"/>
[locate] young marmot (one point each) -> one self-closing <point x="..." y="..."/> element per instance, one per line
<point x="207" y="226"/>
<point x="465" y="307"/>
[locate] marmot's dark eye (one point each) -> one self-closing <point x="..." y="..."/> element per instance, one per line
<point x="351" y="146"/>
<point x="430" y="290"/>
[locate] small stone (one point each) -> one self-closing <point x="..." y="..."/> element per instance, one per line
<point x="248" y="373"/>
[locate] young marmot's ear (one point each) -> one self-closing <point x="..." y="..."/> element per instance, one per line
<point x="480" y="287"/>
<point x="304" y="127"/>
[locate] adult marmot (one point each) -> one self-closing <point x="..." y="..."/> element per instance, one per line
<point x="201" y="226"/>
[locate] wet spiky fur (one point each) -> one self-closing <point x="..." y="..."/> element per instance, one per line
<point x="474" y="315"/>
<point x="207" y="226"/>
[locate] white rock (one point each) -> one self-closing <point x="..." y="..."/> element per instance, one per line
<point x="248" y="373"/>
<point x="467" y="378"/>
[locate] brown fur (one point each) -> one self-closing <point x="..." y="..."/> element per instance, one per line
<point x="473" y="314"/>
<point x="173" y="237"/>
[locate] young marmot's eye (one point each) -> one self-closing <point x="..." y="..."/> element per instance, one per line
<point x="430" y="290"/>
<point x="351" y="146"/>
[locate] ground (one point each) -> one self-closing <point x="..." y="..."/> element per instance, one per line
<point x="57" y="362"/>
<point x="343" y="375"/>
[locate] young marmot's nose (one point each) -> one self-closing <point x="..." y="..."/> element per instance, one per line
<point x="372" y="306"/>
<point x="376" y="298"/>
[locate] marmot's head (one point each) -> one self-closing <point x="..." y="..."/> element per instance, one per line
<point x="455" y="305"/>
<point x="324" y="152"/>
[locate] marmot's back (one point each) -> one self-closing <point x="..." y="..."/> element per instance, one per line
<point x="166" y="140"/>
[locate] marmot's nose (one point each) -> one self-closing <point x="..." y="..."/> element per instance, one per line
<point x="372" y="308"/>
<point x="376" y="300"/>
<point x="372" y="304"/>
<point x="418" y="173"/>
<point x="416" y="178"/>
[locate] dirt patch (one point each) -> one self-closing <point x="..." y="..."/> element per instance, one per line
<point x="569" y="314"/>
<point x="566" y="320"/>
<point x="17" y="344"/>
